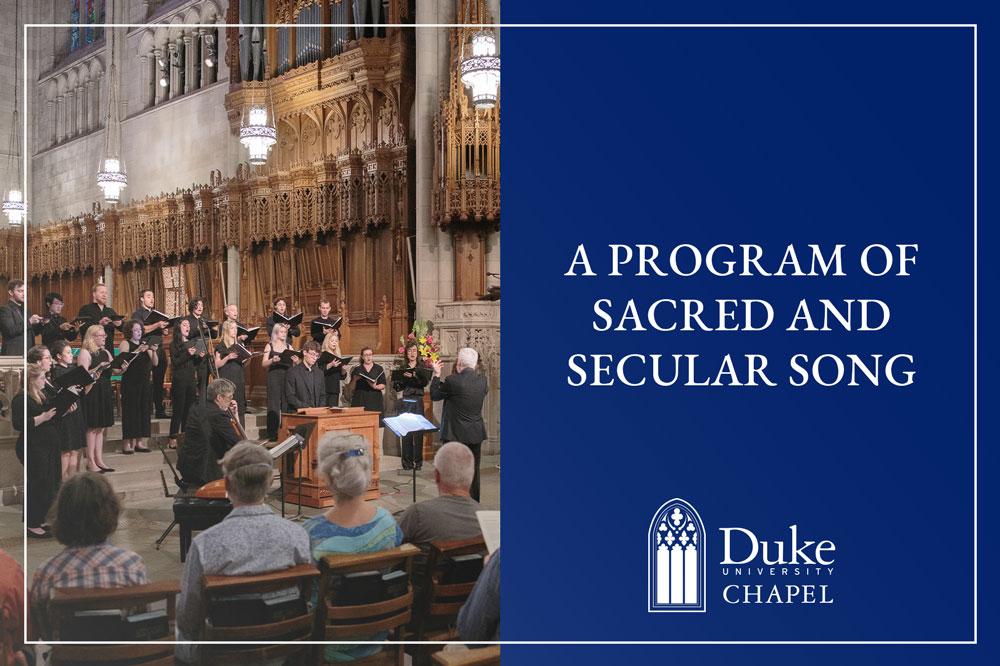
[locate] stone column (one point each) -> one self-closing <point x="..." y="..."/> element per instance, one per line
<point x="161" y="91"/>
<point x="144" y="96"/>
<point x="52" y="129"/>
<point x="70" y="113"/>
<point x="81" y="109"/>
<point x="435" y="263"/>
<point x="213" y="74"/>
<point x="190" y="62"/>
<point x="60" y="123"/>
<point x="109" y="282"/>
<point x="173" y="77"/>
<point x="233" y="270"/>
<point x="90" y="112"/>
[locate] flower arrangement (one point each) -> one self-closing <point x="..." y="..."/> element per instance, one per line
<point x="428" y="349"/>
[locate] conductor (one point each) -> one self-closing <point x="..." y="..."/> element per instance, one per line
<point x="463" y="393"/>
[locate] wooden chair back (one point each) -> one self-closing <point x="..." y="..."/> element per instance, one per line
<point x="67" y="601"/>
<point x="342" y="623"/>
<point x="297" y="628"/>
<point x="442" y="601"/>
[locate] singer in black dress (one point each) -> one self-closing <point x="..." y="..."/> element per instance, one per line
<point x="183" y="386"/>
<point x="137" y="389"/>
<point x="230" y="367"/>
<point x="74" y="426"/>
<point x="281" y="307"/>
<point x="276" y="371"/>
<point x="410" y="379"/>
<point x="368" y="392"/>
<point x="334" y="372"/>
<point x="42" y="453"/>
<point x="98" y="399"/>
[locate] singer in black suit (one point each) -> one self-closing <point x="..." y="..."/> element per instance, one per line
<point x="305" y="384"/>
<point x="463" y="392"/>
<point x="99" y="313"/>
<point x="153" y="335"/>
<point x="200" y="330"/>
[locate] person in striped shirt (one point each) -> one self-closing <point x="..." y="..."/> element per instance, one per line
<point x="85" y="515"/>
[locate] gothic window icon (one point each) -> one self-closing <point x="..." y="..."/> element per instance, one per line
<point x="676" y="551"/>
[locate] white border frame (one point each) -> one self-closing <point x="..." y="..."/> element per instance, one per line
<point x="975" y="291"/>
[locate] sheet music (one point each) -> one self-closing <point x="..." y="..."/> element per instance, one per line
<point x="489" y="524"/>
<point x="406" y="423"/>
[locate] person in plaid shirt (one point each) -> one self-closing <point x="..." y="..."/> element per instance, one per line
<point x="85" y="515"/>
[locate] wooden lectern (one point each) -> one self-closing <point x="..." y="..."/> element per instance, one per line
<point x="350" y="419"/>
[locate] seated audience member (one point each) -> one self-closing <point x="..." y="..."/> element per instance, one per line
<point x="85" y="515"/>
<point x="479" y="619"/>
<point x="251" y="539"/>
<point x="11" y="611"/>
<point x="208" y="434"/>
<point x="450" y="515"/>
<point x="352" y="525"/>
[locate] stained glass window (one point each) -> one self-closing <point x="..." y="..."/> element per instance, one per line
<point x="86" y="17"/>
<point x="74" y="31"/>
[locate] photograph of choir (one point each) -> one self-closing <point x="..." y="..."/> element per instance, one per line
<point x="252" y="359"/>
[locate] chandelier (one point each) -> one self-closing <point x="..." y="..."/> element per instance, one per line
<point x="258" y="134"/>
<point x="13" y="203"/>
<point x="481" y="70"/>
<point x="111" y="176"/>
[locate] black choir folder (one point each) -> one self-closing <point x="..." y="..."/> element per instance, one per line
<point x="292" y="321"/>
<point x="78" y="376"/>
<point x="251" y="333"/>
<point x="326" y="357"/>
<point x="155" y="317"/>
<point x="242" y="353"/>
<point x="63" y="400"/>
<point x="318" y="329"/>
<point x="404" y="424"/>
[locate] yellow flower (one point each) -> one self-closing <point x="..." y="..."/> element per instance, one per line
<point x="422" y="339"/>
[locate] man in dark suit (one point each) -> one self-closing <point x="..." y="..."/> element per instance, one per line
<point x="56" y="328"/>
<point x="153" y="334"/>
<point x="208" y="434"/>
<point x="305" y="384"/>
<point x="12" y="321"/>
<point x="463" y="393"/>
<point x="98" y="313"/>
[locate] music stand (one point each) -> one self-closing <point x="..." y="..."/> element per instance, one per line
<point x="295" y="442"/>
<point x="409" y="424"/>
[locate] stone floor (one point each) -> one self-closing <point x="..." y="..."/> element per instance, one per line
<point x="143" y="522"/>
<point x="11" y="532"/>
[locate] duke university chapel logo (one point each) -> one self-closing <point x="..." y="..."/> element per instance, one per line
<point x="676" y="559"/>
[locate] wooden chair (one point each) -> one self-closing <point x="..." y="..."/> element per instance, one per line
<point x="67" y="601"/>
<point x="441" y="602"/>
<point x="487" y="656"/>
<point x="298" y="628"/>
<point x="343" y="623"/>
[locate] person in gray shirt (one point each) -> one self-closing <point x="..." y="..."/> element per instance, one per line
<point x="450" y="515"/>
<point x="252" y="539"/>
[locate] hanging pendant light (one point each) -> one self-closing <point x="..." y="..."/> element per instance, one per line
<point x="13" y="203"/>
<point x="14" y="207"/>
<point x="481" y="71"/>
<point x="111" y="177"/>
<point x="258" y="134"/>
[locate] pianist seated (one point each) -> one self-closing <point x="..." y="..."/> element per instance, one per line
<point x="84" y="516"/>
<point x="252" y="539"/>
<point x="208" y="434"/>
